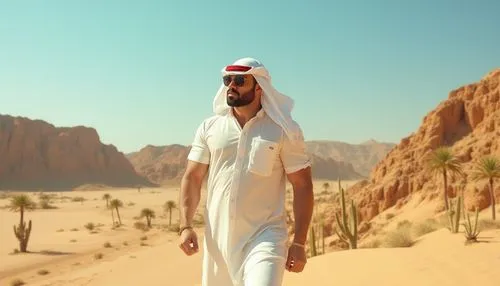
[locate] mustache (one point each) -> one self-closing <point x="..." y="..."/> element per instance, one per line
<point x="232" y="91"/>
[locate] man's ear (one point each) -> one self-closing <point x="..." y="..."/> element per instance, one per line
<point x="256" y="86"/>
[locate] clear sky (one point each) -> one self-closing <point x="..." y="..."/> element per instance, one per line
<point x="146" y="72"/>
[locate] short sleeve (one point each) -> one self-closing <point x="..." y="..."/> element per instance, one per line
<point x="199" y="149"/>
<point x="294" y="156"/>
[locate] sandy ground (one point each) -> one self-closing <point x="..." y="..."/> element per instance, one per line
<point x="61" y="245"/>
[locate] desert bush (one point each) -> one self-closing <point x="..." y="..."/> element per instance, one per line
<point x="425" y="227"/>
<point x="486" y="224"/>
<point x="401" y="237"/>
<point x="78" y="199"/>
<point x="140" y="225"/>
<point x="125" y="243"/>
<point x="404" y="224"/>
<point x="443" y="220"/>
<point x="89" y="226"/>
<point x="17" y="282"/>
<point x="74" y="229"/>
<point x="43" y="272"/>
<point x="374" y="243"/>
<point x="144" y="237"/>
<point x="107" y="244"/>
<point x="98" y="256"/>
<point x="73" y="240"/>
<point x="143" y="244"/>
<point x="60" y="230"/>
<point x="45" y="204"/>
<point x="389" y="216"/>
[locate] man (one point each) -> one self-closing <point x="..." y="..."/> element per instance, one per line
<point x="251" y="146"/>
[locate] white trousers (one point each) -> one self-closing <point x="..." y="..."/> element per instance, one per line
<point x="264" y="265"/>
<point x="267" y="271"/>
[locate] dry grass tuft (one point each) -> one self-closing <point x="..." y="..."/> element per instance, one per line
<point x="485" y="224"/>
<point x="141" y="226"/>
<point x="427" y="226"/>
<point x="389" y="216"/>
<point x="374" y="243"/>
<point x="401" y="237"/>
<point x="17" y="282"/>
<point x="98" y="256"/>
<point x="43" y="272"/>
<point x="90" y="226"/>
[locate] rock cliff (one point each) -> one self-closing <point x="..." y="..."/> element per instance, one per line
<point x="37" y="155"/>
<point x="468" y="121"/>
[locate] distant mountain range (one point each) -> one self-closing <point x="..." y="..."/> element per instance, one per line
<point x="331" y="160"/>
<point x="363" y="157"/>
<point x="35" y="154"/>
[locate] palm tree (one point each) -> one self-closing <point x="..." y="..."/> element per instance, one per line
<point x="169" y="205"/>
<point x="106" y="197"/>
<point x="22" y="203"/>
<point x="488" y="168"/>
<point x="149" y="214"/>
<point x="442" y="161"/>
<point x="326" y="186"/>
<point x="115" y="204"/>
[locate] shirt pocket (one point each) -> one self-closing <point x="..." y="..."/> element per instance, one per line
<point x="262" y="156"/>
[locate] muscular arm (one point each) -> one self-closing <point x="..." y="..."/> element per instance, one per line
<point x="303" y="202"/>
<point x="191" y="191"/>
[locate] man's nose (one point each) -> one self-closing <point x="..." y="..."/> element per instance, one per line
<point x="232" y="84"/>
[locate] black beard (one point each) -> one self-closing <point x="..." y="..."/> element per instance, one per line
<point x="235" y="99"/>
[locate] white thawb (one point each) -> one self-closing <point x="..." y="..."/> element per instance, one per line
<point x="245" y="241"/>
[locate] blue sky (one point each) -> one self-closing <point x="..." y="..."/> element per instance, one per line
<point x="146" y="72"/>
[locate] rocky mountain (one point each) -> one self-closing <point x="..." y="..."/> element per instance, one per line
<point x="363" y="157"/>
<point x="468" y="121"/>
<point x="331" y="160"/>
<point x="37" y="155"/>
<point x="160" y="164"/>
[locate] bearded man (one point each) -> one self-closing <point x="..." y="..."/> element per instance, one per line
<point x="249" y="148"/>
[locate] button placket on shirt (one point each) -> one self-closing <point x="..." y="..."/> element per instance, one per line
<point x="238" y="169"/>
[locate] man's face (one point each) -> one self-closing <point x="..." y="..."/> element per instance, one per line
<point x="241" y="89"/>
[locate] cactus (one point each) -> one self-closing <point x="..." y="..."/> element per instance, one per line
<point x="23" y="235"/>
<point x="312" y="242"/>
<point x="348" y="229"/>
<point x="454" y="214"/>
<point x="322" y="237"/>
<point x="471" y="231"/>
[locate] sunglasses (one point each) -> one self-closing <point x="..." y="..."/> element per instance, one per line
<point x="239" y="80"/>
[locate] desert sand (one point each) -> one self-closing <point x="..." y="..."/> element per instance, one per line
<point x="63" y="251"/>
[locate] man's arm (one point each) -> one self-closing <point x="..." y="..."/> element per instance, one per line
<point x="303" y="202"/>
<point x="191" y="191"/>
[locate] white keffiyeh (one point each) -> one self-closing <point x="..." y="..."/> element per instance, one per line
<point x="276" y="105"/>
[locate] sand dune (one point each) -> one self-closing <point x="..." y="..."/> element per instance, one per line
<point x="438" y="258"/>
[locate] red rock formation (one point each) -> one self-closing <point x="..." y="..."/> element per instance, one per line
<point x="36" y="155"/>
<point x="468" y="121"/>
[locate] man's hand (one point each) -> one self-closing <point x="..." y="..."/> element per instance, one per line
<point x="297" y="259"/>
<point x="188" y="242"/>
